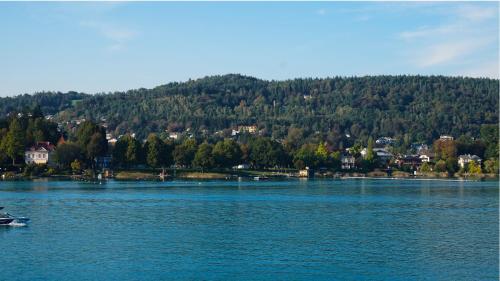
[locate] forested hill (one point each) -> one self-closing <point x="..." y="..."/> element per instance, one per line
<point x="419" y="106"/>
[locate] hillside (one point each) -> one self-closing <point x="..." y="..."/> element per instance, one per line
<point x="422" y="107"/>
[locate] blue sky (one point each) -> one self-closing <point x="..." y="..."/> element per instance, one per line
<point x="100" y="47"/>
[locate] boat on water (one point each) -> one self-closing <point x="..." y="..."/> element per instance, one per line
<point x="260" y="178"/>
<point x="8" y="219"/>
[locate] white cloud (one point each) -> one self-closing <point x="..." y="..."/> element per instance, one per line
<point x="363" y="18"/>
<point x="429" y="31"/>
<point x="321" y="12"/>
<point x="117" y="34"/>
<point x="115" y="47"/>
<point x="467" y="34"/>
<point x="448" y="52"/>
<point x="476" y="13"/>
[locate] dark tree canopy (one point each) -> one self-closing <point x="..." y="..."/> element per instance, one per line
<point x="422" y="107"/>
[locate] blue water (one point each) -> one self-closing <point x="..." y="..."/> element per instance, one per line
<point x="276" y="230"/>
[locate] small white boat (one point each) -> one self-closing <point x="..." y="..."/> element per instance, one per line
<point x="8" y="219"/>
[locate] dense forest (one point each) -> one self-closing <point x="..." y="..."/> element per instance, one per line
<point x="418" y="108"/>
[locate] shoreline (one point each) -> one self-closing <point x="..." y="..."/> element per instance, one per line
<point x="262" y="175"/>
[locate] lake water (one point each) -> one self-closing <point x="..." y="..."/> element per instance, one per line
<point x="275" y="230"/>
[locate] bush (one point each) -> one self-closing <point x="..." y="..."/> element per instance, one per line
<point x="440" y="166"/>
<point x="51" y="171"/>
<point x="425" y="168"/>
<point x="474" y="168"/>
<point x="76" y="166"/>
<point x="491" y="166"/>
<point x="33" y="170"/>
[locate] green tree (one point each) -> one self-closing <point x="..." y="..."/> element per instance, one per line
<point x="97" y="146"/>
<point x="76" y="166"/>
<point x="425" y="168"/>
<point x="306" y="156"/>
<point x="335" y="160"/>
<point x="451" y="165"/>
<point x="119" y="151"/>
<point x="322" y="154"/>
<point x="184" y="153"/>
<point x="370" y="156"/>
<point x="14" y="143"/>
<point x="37" y="112"/>
<point x="85" y="132"/>
<point x="440" y="166"/>
<point x="489" y="134"/>
<point x="90" y="132"/>
<point x="227" y="153"/>
<point x="203" y="157"/>
<point x="355" y="150"/>
<point x="266" y="153"/>
<point x="154" y="147"/>
<point x="294" y="139"/>
<point x="132" y="154"/>
<point x="67" y="153"/>
<point x="166" y="158"/>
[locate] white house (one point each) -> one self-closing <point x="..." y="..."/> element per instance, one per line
<point x="40" y="153"/>
<point x="466" y="159"/>
<point x="252" y="129"/>
<point x="446" y="138"/>
<point x="425" y="158"/>
<point x="385" y="141"/>
<point x="174" y="135"/>
<point x="348" y="162"/>
<point x="382" y="153"/>
<point x="242" y="166"/>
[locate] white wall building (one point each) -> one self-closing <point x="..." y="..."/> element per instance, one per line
<point x="40" y="153"/>
<point x="463" y="160"/>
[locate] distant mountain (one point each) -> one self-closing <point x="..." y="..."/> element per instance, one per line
<point x="422" y="107"/>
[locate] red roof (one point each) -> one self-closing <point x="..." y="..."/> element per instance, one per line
<point x="61" y="140"/>
<point x="42" y="145"/>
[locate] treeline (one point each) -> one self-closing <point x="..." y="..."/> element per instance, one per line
<point x="83" y="149"/>
<point x="255" y="151"/>
<point x="263" y="153"/>
<point x="89" y="144"/>
<point x="419" y="108"/>
<point x="48" y="102"/>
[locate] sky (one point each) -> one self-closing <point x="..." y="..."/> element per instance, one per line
<point x="115" y="46"/>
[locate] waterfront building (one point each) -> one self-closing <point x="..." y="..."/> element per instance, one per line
<point x="40" y="153"/>
<point x="348" y="162"/>
<point x="463" y="160"/>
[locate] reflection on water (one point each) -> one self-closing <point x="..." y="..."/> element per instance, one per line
<point x="213" y="230"/>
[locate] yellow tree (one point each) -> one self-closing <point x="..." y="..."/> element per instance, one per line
<point x="474" y="168"/>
